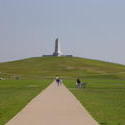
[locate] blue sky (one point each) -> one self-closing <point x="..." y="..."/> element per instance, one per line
<point x="86" y="28"/>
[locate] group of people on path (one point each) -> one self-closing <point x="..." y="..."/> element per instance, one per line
<point x="58" y="81"/>
<point x="79" y="84"/>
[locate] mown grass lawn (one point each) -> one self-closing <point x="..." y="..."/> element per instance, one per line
<point x="104" y="99"/>
<point x="15" y="94"/>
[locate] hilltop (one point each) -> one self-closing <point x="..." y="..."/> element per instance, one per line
<point x="67" y="67"/>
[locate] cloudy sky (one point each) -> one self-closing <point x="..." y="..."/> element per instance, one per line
<point x="86" y="28"/>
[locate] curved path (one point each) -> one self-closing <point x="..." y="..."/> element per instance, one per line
<point x="54" y="106"/>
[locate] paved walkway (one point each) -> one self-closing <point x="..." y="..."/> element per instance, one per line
<point x="54" y="106"/>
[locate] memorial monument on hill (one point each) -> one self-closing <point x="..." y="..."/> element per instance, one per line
<point x="57" y="48"/>
<point x="57" y="51"/>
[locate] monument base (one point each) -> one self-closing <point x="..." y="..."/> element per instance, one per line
<point x="57" y="56"/>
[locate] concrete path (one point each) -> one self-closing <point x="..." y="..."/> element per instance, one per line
<point x="54" y="106"/>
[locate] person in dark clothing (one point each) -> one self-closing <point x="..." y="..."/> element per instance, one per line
<point x="58" y="81"/>
<point x="78" y="83"/>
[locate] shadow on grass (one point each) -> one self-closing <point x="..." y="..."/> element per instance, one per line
<point x="103" y="123"/>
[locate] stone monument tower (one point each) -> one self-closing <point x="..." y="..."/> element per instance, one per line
<point x="57" y="48"/>
<point x="57" y="51"/>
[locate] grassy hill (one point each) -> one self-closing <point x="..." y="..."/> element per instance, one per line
<point x="104" y="96"/>
<point x="67" y="67"/>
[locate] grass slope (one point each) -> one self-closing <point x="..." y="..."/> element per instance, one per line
<point x="15" y="94"/>
<point x="104" y="99"/>
<point x="104" y="96"/>
<point x="37" y="68"/>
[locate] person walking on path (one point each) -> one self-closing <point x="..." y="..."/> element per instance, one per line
<point x="61" y="81"/>
<point x="58" y="81"/>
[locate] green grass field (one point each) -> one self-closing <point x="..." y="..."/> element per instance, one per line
<point x="15" y="94"/>
<point x="104" y="99"/>
<point x="104" y="96"/>
<point x="67" y="67"/>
